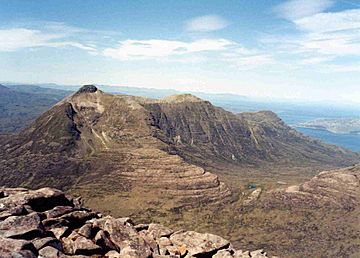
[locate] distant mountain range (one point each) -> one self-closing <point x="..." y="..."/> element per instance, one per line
<point x="21" y="104"/>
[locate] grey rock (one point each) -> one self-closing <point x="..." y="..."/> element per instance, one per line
<point x="101" y="239"/>
<point x="158" y="230"/>
<point x="86" y="230"/>
<point x="25" y="227"/>
<point x="49" y="252"/>
<point x="40" y="243"/>
<point x="10" y="248"/>
<point x="59" y="232"/>
<point x="223" y="254"/>
<point x="58" y="211"/>
<point x="199" y="244"/>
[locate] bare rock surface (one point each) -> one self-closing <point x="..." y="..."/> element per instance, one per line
<point x="68" y="230"/>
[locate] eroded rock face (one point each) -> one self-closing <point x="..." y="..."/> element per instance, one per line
<point x="60" y="228"/>
<point x="338" y="189"/>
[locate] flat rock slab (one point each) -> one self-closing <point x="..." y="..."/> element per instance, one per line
<point x="10" y="248"/>
<point x="25" y="227"/>
<point x="199" y="244"/>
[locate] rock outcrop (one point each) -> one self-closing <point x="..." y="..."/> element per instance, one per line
<point x="318" y="218"/>
<point x="45" y="223"/>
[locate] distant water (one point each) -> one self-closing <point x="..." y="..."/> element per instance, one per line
<point x="293" y="114"/>
<point x="350" y="141"/>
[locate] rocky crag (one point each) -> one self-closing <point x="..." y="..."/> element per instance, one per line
<point x="45" y="223"/>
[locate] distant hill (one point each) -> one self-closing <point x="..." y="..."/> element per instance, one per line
<point x="21" y="104"/>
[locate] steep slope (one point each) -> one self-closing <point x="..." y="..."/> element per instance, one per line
<point x="22" y="104"/>
<point x="209" y="136"/>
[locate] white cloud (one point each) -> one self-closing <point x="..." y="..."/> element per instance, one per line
<point x="206" y="23"/>
<point x="336" y="33"/>
<point x="250" y="62"/>
<point x="324" y="38"/>
<point x="327" y="22"/>
<point x="296" y="9"/>
<point x="19" y="38"/>
<point x="158" y="48"/>
<point x="198" y="51"/>
<point x="316" y="60"/>
<point x="341" y="68"/>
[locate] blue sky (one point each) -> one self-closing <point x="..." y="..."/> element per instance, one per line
<point x="304" y="49"/>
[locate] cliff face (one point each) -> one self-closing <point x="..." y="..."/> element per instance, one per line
<point x="45" y="223"/>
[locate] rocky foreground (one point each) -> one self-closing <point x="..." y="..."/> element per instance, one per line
<point x="46" y="223"/>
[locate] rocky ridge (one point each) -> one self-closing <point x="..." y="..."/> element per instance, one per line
<point x="46" y="223"/>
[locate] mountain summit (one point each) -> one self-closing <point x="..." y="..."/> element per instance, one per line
<point x="87" y="89"/>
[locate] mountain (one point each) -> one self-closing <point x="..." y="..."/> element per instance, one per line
<point x="183" y="162"/>
<point x="110" y="147"/>
<point x="22" y="104"/>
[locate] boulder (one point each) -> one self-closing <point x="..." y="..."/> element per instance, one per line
<point x="25" y="227"/>
<point x="49" y="252"/>
<point x="199" y="244"/>
<point x="86" y="230"/>
<point x="223" y="254"/>
<point x="85" y="246"/>
<point x="158" y="230"/>
<point x="78" y="218"/>
<point x="112" y="254"/>
<point x="101" y="239"/>
<point x="58" y="211"/>
<point x="40" y="243"/>
<point x="124" y="237"/>
<point x="163" y="242"/>
<point x="13" y="211"/>
<point x="77" y="244"/>
<point x="10" y="248"/>
<point x="39" y="200"/>
<point x="59" y="232"/>
<point x="258" y="254"/>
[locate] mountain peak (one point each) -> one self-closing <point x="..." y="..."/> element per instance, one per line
<point x="87" y="89"/>
<point x="182" y="98"/>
